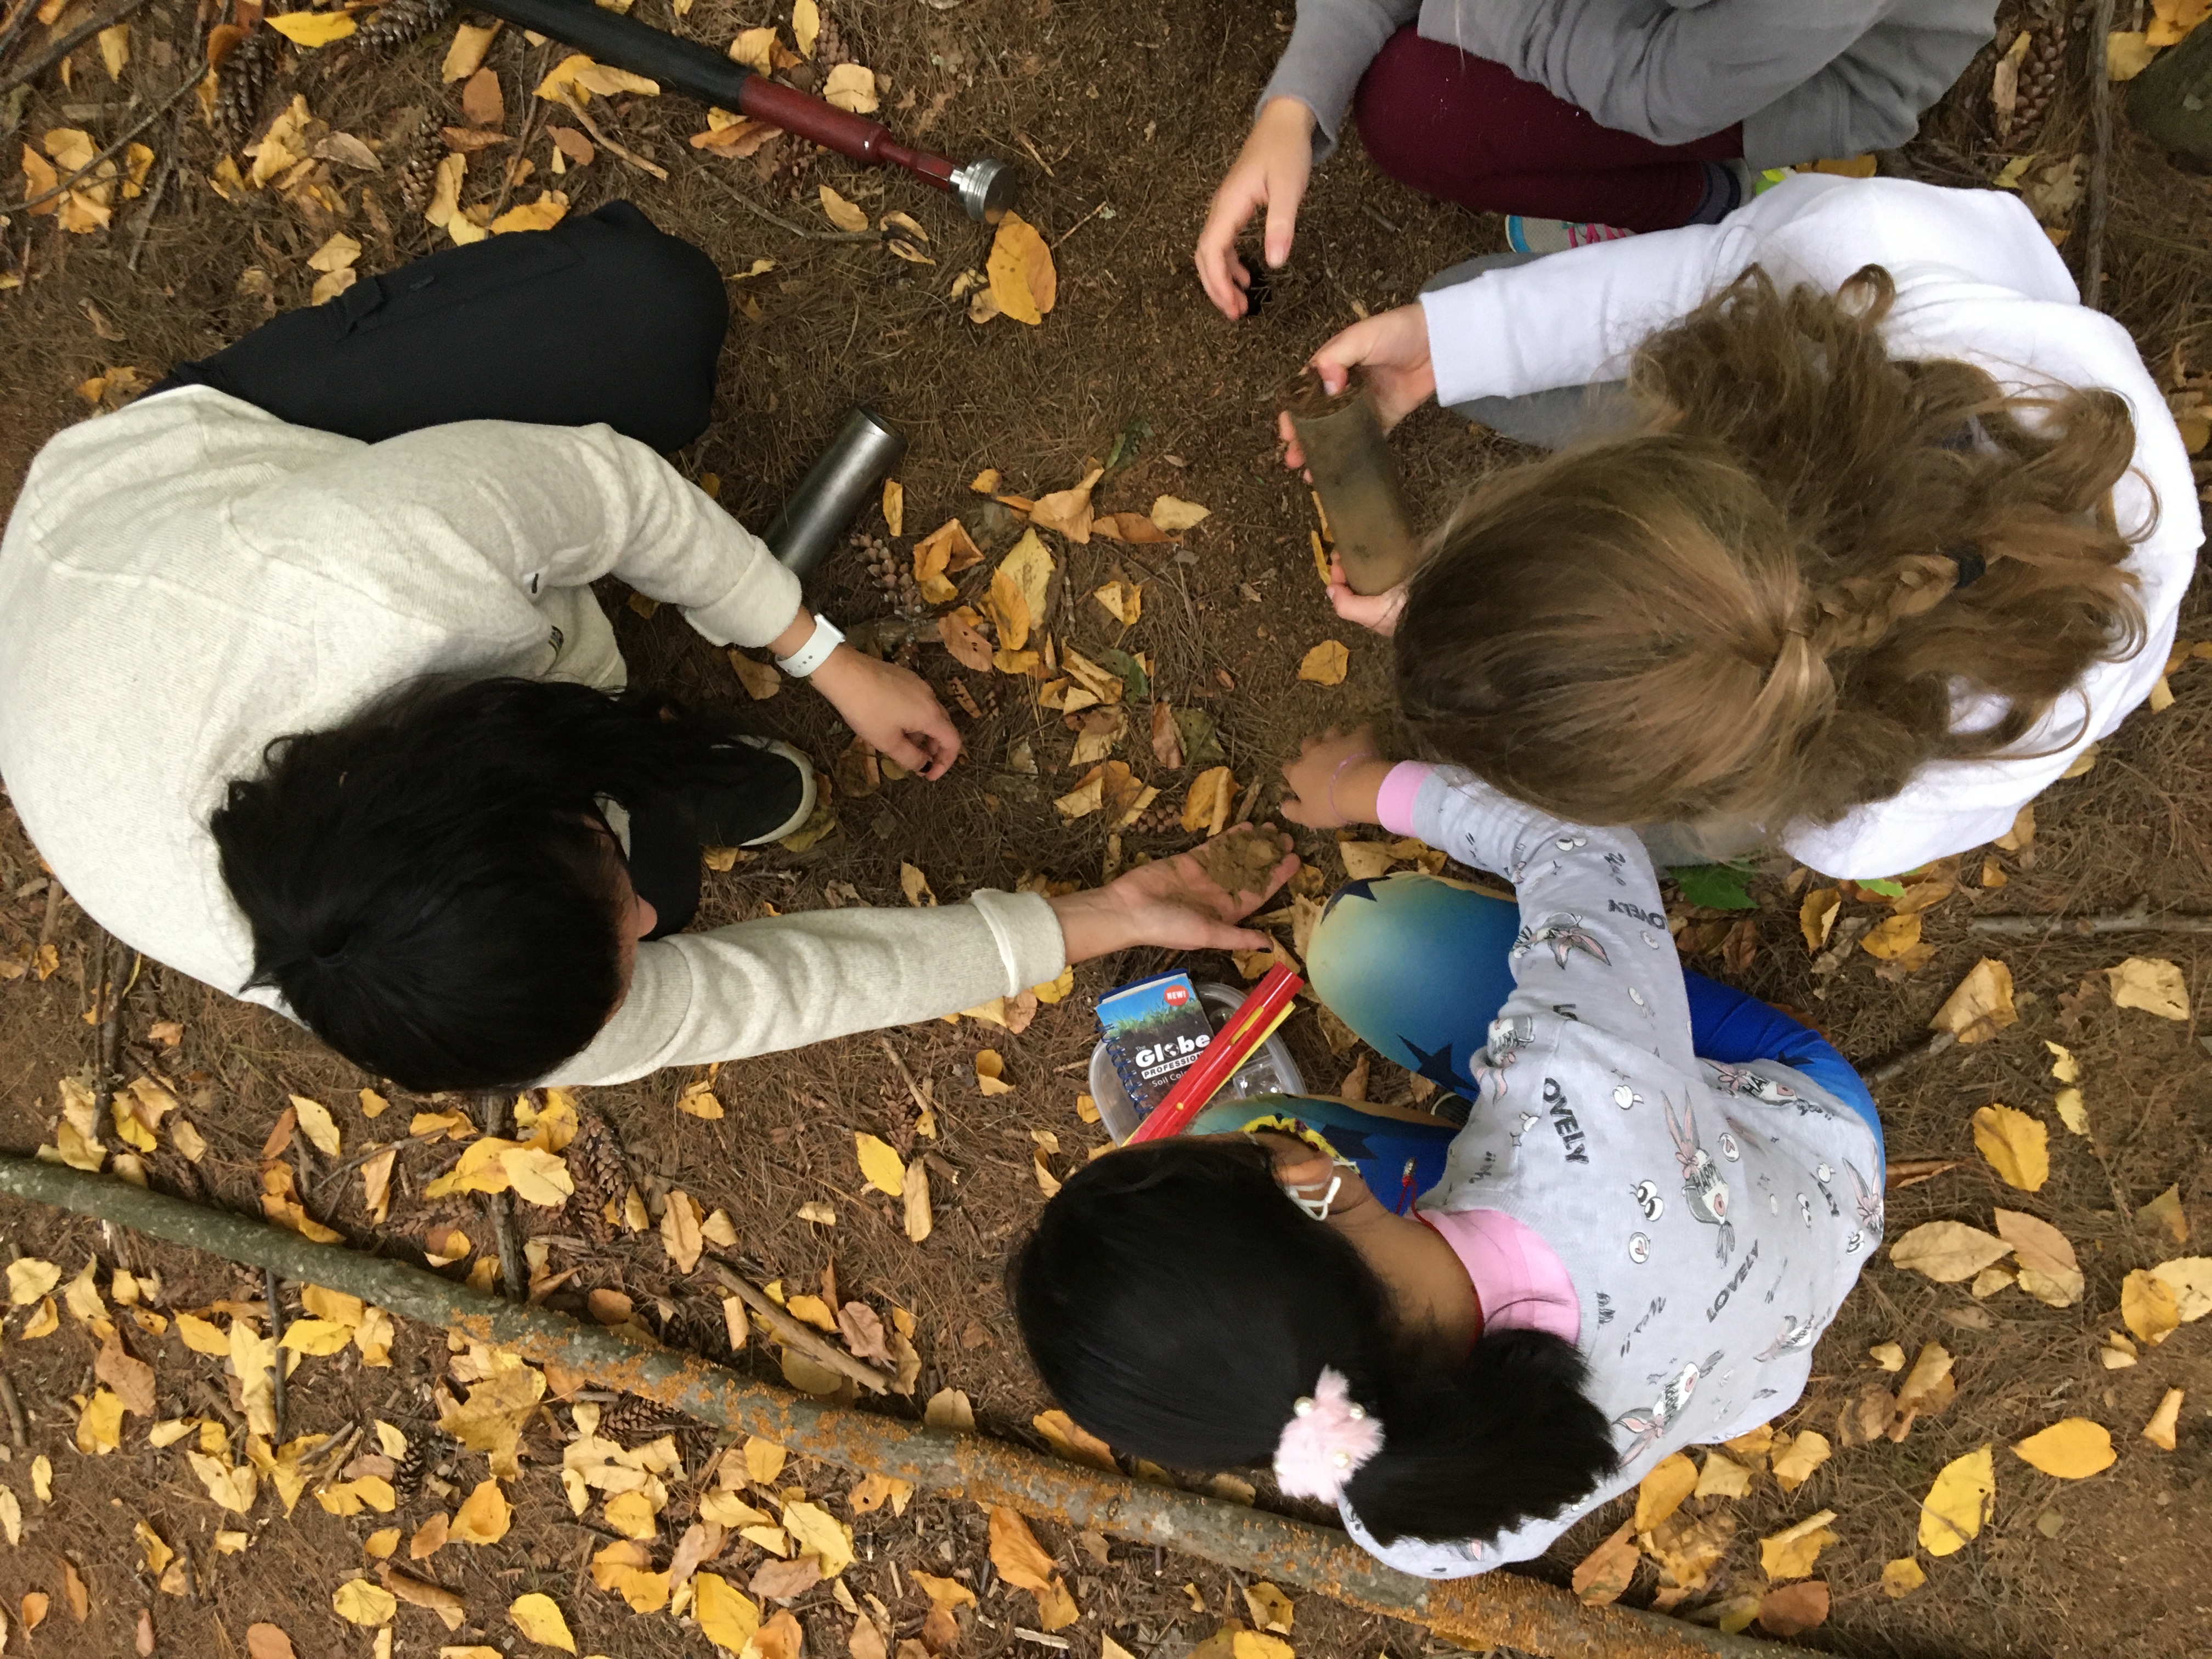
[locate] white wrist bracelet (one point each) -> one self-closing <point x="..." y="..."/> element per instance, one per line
<point x="820" y="643"/>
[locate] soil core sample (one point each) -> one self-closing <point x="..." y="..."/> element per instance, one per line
<point x="1356" y="476"/>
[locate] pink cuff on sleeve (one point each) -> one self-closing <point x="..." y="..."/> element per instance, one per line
<point x="1394" y="801"/>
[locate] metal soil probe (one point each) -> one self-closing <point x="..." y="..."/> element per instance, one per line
<point x="1357" y="478"/>
<point x="985" y="187"/>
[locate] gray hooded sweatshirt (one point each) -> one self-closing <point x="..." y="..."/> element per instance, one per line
<point x="1835" y="78"/>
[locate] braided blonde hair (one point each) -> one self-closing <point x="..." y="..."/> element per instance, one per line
<point x="1756" y="604"/>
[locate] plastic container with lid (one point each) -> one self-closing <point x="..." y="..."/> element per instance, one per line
<point x="1271" y="1071"/>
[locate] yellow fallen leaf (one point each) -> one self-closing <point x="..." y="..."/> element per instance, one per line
<point x="679" y="1230"/>
<point x="2067" y="1103"/>
<point x="853" y="88"/>
<point x="466" y="55"/>
<point x="484" y="1518"/>
<point x="1958" y="1503"/>
<point x="1022" y="282"/>
<point x="1793" y="1468"/>
<point x="1723" y="1477"/>
<point x="1212" y="798"/>
<point x="2016" y="1146"/>
<point x="699" y="1100"/>
<point x="632" y="1515"/>
<point x="30" y="1279"/>
<point x="991" y="1073"/>
<point x="727" y="1616"/>
<point x="312" y="28"/>
<point x="2151" y="984"/>
<point x="2160" y="1430"/>
<point x="550" y="208"/>
<point x="336" y="253"/>
<point x="1124" y="600"/>
<point x="360" y="1602"/>
<point x="538" y="1616"/>
<point x="2149" y="1306"/>
<point x="316" y="1336"/>
<point x="1902" y="1576"/>
<point x="1791" y="1553"/>
<point x="1070" y="1440"/>
<point x="1325" y="664"/>
<point x="2072" y="1449"/>
<point x="814" y="1531"/>
<point x="1816" y="917"/>
<point x="1606" y="1571"/>
<point x="1981" y="1006"/>
<point x="2128" y="53"/>
<point x="820" y="1213"/>
<point x="576" y="76"/>
<point x="805" y="28"/>
<point x="2190" y="1278"/>
<point x="1174" y="514"/>
<point x="880" y="1163"/>
<point x="1661" y="1490"/>
<point x="845" y="215"/>
<point x="1893" y="937"/>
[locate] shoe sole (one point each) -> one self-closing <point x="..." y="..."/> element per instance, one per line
<point x="806" y="794"/>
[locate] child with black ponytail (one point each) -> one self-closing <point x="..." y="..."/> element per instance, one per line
<point x="1467" y="1336"/>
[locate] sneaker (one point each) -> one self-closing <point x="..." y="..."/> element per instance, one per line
<point x="1526" y="235"/>
<point x="775" y="797"/>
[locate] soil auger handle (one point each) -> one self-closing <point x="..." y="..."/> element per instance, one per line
<point x="985" y="187"/>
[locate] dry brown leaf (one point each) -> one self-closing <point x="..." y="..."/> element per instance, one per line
<point x="2049" y="1270"/>
<point x="1605" y="1573"/>
<point x="1948" y="1252"/>
<point x="1794" y="1609"/>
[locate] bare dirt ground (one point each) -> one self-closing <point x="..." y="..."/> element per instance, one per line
<point x="1123" y="116"/>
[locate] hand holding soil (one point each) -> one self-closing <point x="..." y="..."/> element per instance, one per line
<point x="1187" y="902"/>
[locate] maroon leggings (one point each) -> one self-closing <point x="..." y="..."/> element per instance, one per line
<point x="1463" y="129"/>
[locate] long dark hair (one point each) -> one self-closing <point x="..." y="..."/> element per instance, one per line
<point x="1177" y="1304"/>
<point x="430" y="886"/>
<point x="1756" y="606"/>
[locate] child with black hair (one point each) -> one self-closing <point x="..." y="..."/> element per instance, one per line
<point x="304" y="692"/>
<point x="1663" y="1191"/>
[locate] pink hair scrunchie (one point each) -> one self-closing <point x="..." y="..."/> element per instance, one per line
<point x="1328" y="1437"/>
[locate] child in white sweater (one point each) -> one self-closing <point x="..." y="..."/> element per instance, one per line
<point x="1882" y="529"/>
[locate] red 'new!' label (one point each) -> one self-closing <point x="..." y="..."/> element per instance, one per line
<point x="1175" y="996"/>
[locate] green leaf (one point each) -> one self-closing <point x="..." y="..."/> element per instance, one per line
<point x="1126" y="442"/>
<point x="1716" y="886"/>
<point x="1886" y="887"/>
<point x="1132" y="671"/>
<point x="1201" y="744"/>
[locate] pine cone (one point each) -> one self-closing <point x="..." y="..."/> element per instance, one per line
<point x="599" y="1170"/>
<point x="241" y="85"/>
<point x="829" y="44"/>
<point x="2038" y="83"/>
<point x="631" y="1418"/>
<point x="418" y="174"/>
<point x="423" y="1449"/>
<point x="403" y="21"/>
<point x="1158" y="819"/>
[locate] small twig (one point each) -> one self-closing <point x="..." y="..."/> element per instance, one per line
<point x="103" y="995"/>
<point x="54" y="917"/>
<point x="605" y="143"/>
<point x="1080" y="223"/>
<point x="19" y="1431"/>
<point x="113" y="150"/>
<point x="2136" y="920"/>
<point x="514" y="1277"/>
<point x="2100" y="156"/>
<point x="922" y="1102"/>
<point x="69" y="42"/>
<point x="14" y="25"/>
<point x="790" y="1331"/>
<point x="333" y="1457"/>
<point x="1369" y="209"/>
<point x="1900" y="1064"/>
<point x="160" y="188"/>
<point x="784" y="224"/>
<point x="277" y="1403"/>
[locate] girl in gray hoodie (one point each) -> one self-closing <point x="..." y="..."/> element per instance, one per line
<point x="1610" y="115"/>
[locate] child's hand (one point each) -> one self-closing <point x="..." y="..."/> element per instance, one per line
<point x="1335" y="781"/>
<point x="1378" y="613"/>
<point x="1175" y="904"/>
<point x="893" y="708"/>
<point x="1393" y="346"/>
<point x="1270" y="172"/>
